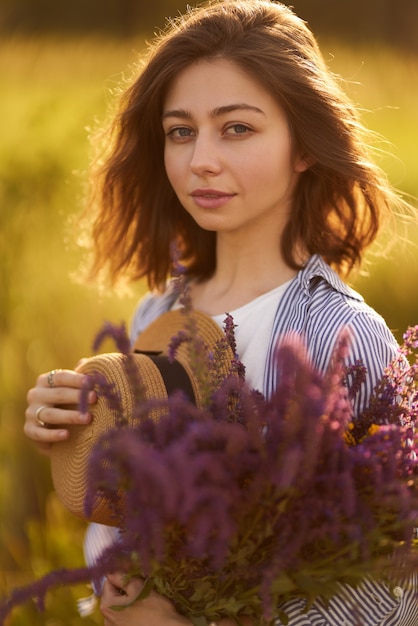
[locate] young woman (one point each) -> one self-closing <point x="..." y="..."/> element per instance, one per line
<point x="236" y="144"/>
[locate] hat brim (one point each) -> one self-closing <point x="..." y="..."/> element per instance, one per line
<point x="70" y="458"/>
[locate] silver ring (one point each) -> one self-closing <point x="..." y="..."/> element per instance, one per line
<point x="50" y="378"/>
<point x="37" y="416"/>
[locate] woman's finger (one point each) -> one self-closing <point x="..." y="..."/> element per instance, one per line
<point x="121" y="590"/>
<point x="47" y="423"/>
<point x="62" y="378"/>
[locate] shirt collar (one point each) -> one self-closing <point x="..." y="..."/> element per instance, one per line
<point x="316" y="268"/>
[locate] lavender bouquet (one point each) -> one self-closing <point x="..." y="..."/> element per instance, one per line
<point x="236" y="507"/>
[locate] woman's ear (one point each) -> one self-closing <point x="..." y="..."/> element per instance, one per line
<point x="303" y="163"/>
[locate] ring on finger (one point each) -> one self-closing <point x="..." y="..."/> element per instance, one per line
<point x="50" y="378"/>
<point x="38" y="416"/>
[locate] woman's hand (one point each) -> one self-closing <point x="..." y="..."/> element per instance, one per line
<point x="52" y="405"/>
<point x="154" y="610"/>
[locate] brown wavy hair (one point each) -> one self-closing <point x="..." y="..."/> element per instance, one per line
<point x="338" y="202"/>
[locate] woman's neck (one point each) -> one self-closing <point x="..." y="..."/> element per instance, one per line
<point x="242" y="274"/>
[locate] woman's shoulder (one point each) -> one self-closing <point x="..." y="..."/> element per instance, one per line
<point x="332" y="304"/>
<point x="320" y="306"/>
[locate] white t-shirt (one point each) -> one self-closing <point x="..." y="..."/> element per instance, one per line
<point x="254" y="322"/>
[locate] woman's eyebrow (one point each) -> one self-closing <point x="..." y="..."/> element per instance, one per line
<point x="179" y="113"/>
<point x="229" y="108"/>
<point x="218" y="111"/>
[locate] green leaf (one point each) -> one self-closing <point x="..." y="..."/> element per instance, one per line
<point x="199" y="620"/>
<point x="284" y="618"/>
<point x="146" y="589"/>
<point x="283" y="584"/>
<point x="203" y="591"/>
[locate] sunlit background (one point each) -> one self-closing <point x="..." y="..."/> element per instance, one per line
<point x="59" y="63"/>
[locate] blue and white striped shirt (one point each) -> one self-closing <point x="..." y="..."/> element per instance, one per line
<point x="317" y="305"/>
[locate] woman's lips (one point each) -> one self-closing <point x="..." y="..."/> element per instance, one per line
<point x="211" y="198"/>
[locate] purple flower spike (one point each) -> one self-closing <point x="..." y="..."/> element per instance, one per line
<point x="117" y="333"/>
<point x="88" y="385"/>
<point x="410" y="338"/>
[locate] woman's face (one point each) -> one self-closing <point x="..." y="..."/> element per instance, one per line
<point x="228" y="149"/>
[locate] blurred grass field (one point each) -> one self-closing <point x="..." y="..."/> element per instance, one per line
<point x="52" y="90"/>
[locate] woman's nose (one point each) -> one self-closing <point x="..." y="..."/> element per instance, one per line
<point x="205" y="158"/>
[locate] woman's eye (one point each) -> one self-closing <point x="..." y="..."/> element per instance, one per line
<point x="180" y="132"/>
<point x="238" y="129"/>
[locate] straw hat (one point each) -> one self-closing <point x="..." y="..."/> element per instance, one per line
<point x="158" y="378"/>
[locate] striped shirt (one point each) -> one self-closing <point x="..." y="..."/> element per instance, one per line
<point x="317" y="305"/>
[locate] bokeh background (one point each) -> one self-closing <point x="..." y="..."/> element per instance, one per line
<point x="59" y="63"/>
